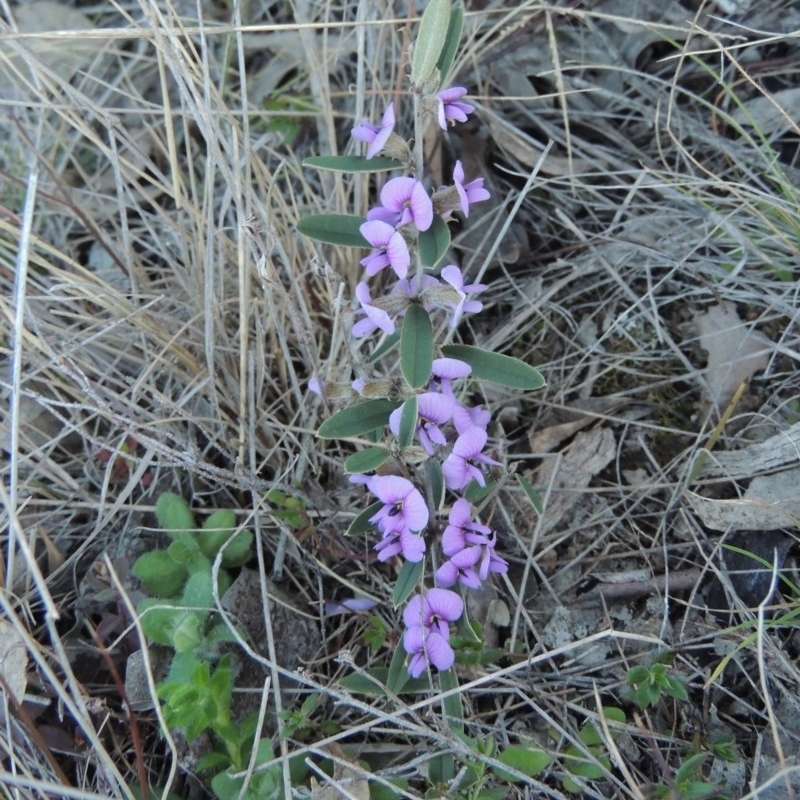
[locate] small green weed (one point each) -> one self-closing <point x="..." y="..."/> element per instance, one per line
<point x="650" y="683"/>
<point x="180" y="614"/>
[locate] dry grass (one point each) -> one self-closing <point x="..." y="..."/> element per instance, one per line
<point x="162" y="318"/>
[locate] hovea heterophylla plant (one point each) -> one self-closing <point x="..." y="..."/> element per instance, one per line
<point x="430" y="444"/>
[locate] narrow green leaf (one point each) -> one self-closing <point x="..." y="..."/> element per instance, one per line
<point x="430" y="40"/>
<point x="365" y="460"/>
<point x="527" y="760"/>
<point x="435" y="482"/>
<point x="398" y="675"/>
<point x="531" y="494"/>
<point x="495" y="367"/>
<point x="407" y="582"/>
<point x="357" y="419"/>
<point x="690" y="767"/>
<point x="377" y="679"/>
<point x="408" y="422"/>
<point x="372" y="683"/>
<point x="361" y="523"/>
<point x="352" y="163"/>
<point x="441" y="769"/>
<point x="434" y="243"/>
<point x="452" y="40"/>
<point x="342" y="229"/>
<point x="416" y="346"/>
<point x="451" y="705"/>
<point x="384" y="347"/>
<point x="475" y="493"/>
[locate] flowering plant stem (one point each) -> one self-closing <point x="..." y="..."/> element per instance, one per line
<point x="432" y="437"/>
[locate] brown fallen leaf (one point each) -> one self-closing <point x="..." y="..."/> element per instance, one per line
<point x="573" y="417"/>
<point x="565" y="479"/>
<point x="351" y="780"/>
<point x="735" y="351"/>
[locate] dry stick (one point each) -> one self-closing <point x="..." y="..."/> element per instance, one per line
<point x="70" y="695"/>
<point x="762" y="676"/>
<point x="136" y="738"/>
<point x="619" y="761"/>
<point x="33" y="731"/>
<point x="173" y="769"/>
<point x="20" y="284"/>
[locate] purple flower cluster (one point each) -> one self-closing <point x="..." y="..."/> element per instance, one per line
<point x="446" y="428"/>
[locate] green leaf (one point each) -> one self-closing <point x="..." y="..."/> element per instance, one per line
<point x="157" y="622"/>
<point x="475" y="493"/>
<point x="160" y="574"/>
<point x="398" y="675"/>
<point x="434" y="243"/>
<point x="376" y="680"/>
<point x="430" y="40"/>
<point x="451" y="705"/>
<point x="408" y="422"/>
<point x="531" y="494"/>
<point x="361" y="524"/>
<point x="217" y="529"/>
<point x="435" y="481"/>
<point x="407" y="582"/>
<point x="675" y="688"/>
<point x="198" y="591"/>
<point x="527" y="760"/>
<point x="352" y="163"/>
<point x="452" y="40"/>
<point x="441" y="768"/>
<point x="637" y="674"/>
<point x="342" y="229"/>
<point x="384" y="347"/>
<point x="357" y="419"/>
<point x="365" y="460"/>
<point x="578" y="764"/>
<point x="372" y="682"/>
<point x="173" y="514"/>
<point x="614" y="714"/>
<point x="690" y="767"/>
<point x="495" y="367"/>
<point x="416" y="346"/>
<point x="187" y="635"/>
<point x="239" y="550"/>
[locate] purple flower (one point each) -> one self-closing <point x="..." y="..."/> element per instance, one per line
<point x="401" y="542"/>
<point x="356" y="605"/>
<point x="452" y="275"/>
<point x="433" y="410"/>
<point x="404" y="508"/>
<point x="450" y="109"/>
<point x="375" y="136"/>
<point x="460" y="568"/>
<point x="411" y="286"/>
<point x="466" y="417"/>
<point x="472" y="192"/>
<point x="459" y="467"/>
<point x="374" y="317"/>
<point x="427" y="638"/>
<point x="461" y="531"/>
<point x="392" y="250"/>
<point x="449" y="368"/>
<point x="404" y="200"/>
<point x="490" y="561"/>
